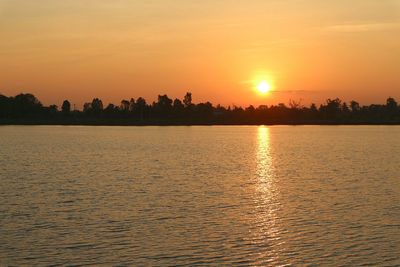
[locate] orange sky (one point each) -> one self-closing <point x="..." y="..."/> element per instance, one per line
<point x="217" y="49"/>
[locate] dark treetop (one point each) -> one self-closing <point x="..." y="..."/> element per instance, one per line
<point x="27" y="109"/>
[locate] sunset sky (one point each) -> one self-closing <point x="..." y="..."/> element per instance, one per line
<point x="217" y="49"/>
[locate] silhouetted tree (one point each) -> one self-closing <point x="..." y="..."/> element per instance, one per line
<point x="132" y="105"/>
<point x="26" y="104"/>
<point x="178" y="104"/>
<point x="178" y="107"/>
<point x="141" y="107"/>
<point x="87" y="107"/>
<point x="141" y="102"/>
<point x="111" y="110"/>
<point x="295" y="104"/>
<point x="313" y="108"/>
<point x="97" y="106"/>
<point x="332" y="108"/>
<point x="205" y="110"/>
<point x="52" y="109"/>
<point x="345" y="107"/>
<point x="163" y="106"/>
<point x="391" y="104"/>
<point x="66" y="107"/>
<point x="187" y="100"/>
<point x="124" y="105"/>
<point x="164" y="102"/>
<point x="5" y="106"/>
<point x="355" y="107"/>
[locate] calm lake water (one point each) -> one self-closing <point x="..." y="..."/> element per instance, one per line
<point x="210" y="196"/>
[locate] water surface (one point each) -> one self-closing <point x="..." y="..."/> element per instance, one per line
<point x="210" y="196"/>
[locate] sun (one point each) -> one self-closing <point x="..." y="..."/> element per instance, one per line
<point x="264" y="87"/>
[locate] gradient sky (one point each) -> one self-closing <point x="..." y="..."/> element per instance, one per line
<point x="217" y="49"/>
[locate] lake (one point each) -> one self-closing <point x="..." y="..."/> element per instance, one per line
<point x="200" y="196"/>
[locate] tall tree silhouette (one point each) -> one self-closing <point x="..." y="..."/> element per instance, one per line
<point x="187" y="100"/>
<point x="66" y="107"/>
<point x="141" y="107"/>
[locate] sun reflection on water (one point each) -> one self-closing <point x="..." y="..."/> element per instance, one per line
<point x="264" y="158"/>
<point x="266" y="229"/>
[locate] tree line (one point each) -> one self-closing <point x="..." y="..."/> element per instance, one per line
<point x="27" y="109"/>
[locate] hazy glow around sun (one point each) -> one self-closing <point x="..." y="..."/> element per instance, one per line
<point x="264" y="87"/>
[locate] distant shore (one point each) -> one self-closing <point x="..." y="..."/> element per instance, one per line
<point x="127" y="123"/>
<point x="26" y="109"/>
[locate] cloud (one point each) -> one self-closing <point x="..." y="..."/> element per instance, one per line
<point x="367" y="27"/>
